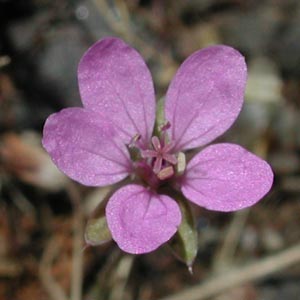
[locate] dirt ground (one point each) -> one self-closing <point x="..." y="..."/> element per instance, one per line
<point x="253" y="254"/>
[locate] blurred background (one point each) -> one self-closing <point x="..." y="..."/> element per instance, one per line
<point x="43" y="214"/>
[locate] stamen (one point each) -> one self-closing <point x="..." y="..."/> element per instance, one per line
<point x="181" y="165"/>
<point x="156" y="143"/>
<point x="157" y="165"/>
<point x="134" y="140"/>
<point x="133" y="147"/>
<point x="166" y="173"/>
<point x="163" y="129"/>
<point x="148" y="153"/>
<point x="171" y="158"/>
<point x="168" y="147"/>
<point x="164" y="126"/>
<point x="158" y="158"/>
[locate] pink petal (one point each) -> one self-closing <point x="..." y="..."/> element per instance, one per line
<point x="114" y="79"/>
<point x="140" y="220"/>
<point x="226" y="177"/>
<point x="85" y="147"/>
<point x="205" y="96"/>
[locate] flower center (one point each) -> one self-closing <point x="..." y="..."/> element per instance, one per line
<point x="160" y="158"/>
<point x="157" y="163"/>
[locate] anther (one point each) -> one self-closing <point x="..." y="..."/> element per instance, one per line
<point x="166" y="173"/>
<point x="181" y="163"/>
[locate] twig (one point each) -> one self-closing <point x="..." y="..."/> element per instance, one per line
<point x="77" y="264"/>
<point x="77" y="261"/>
<point x="53" y="289"/>
<point x="123" y="28"/>
<point x="119" y="26"/>
<point x="123" y="11"/>
<point x="9" y="268"/>
<point x="21" y="201"/>
<point x="240" y="275"/>
<point x="102" y="285"/>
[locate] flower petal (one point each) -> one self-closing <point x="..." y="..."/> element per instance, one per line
<point x="205" y="96"/>
<point x="114" y="79"/>
<point x="85" y="147"/>
<point x="226" y="177"/>
<point x="140" y="220"/>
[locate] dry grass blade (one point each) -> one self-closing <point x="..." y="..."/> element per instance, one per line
<point x="53" y="289"/>
<point x="78" y="232"/>
<point x="225" y="255"/>
<point x="240" y="275"/>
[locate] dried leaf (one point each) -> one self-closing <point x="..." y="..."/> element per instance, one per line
<point x="23" y="157"/>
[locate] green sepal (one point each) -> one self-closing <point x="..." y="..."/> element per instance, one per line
<point x="160" y="116"/>
<point x="97" y="231"/>
<point x="185" y="242"/>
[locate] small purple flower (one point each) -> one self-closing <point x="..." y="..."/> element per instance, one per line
<point x="111" y="138"/>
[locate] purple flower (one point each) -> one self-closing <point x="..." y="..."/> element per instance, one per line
<point x="111" y="138"/>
